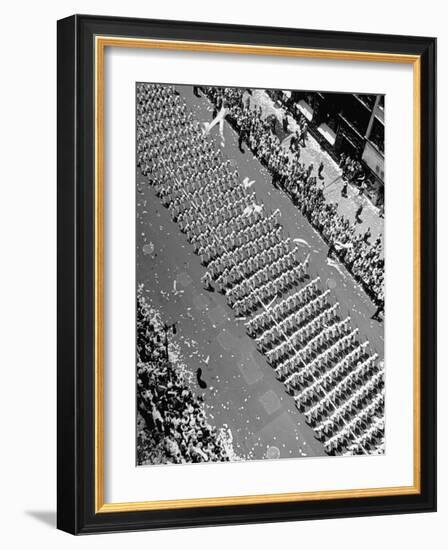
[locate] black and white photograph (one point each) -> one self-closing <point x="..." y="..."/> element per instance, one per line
<point x="260" y="274"/>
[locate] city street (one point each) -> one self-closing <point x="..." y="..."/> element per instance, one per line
<point x="242" y="391"/>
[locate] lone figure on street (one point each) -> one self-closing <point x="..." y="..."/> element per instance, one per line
<point x="320" y="170"/>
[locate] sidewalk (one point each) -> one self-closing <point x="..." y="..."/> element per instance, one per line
<point x="332" y="182"/>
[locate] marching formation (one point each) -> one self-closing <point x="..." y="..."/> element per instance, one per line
<point x="362" y="258"/>
<point x="336" y="380"/>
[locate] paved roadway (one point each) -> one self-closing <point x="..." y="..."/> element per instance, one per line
<point x="242" y="391"/>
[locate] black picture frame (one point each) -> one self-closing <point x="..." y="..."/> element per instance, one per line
<point x="76" y="256"/>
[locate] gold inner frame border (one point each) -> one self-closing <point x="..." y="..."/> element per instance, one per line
<point x="100" y="44"/>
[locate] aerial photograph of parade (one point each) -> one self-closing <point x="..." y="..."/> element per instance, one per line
<point x="259" y="274"/>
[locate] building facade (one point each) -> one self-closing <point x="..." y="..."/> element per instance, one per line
<point x="352" y="124"/>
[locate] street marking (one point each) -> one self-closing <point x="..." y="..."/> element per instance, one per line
<point x="217" y="315"/>
<point x="226" y="340"/>
<point x="184" y="279"/>
<point x="200" y="302"/>
<point x="270" y="401"/>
